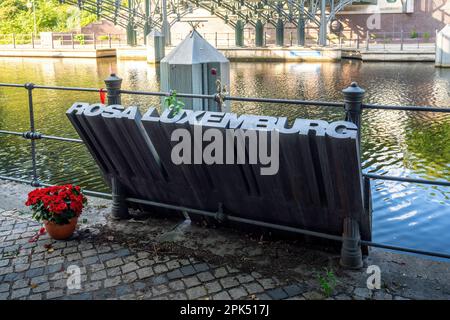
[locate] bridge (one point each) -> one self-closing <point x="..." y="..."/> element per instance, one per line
<point x="145" y="15"/>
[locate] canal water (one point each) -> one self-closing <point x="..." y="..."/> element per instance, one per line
<point x="398" y="143"/>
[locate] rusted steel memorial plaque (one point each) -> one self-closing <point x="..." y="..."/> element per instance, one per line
<point x="310" y="177"/>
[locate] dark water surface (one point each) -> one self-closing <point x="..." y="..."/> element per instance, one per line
<point x="407" y="144"/>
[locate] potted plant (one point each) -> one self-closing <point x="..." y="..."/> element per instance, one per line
<point x="58" y="207"/>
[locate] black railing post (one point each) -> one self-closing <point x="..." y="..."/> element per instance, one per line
<point x="119" y="209"/>
<point x="401" y="40"/>
<point x="113" y="84"/>
<point x="34" y="181"/>
<point x="367" y="40"/>
<point x="353" y="97"/>
<point x="351" y="254"/>
<point x="119" y="206"/>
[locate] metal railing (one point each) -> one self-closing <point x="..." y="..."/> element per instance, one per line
<point x="352" y="105"/>
<point x="346" y="39"/>
<point x="64" y="40"/>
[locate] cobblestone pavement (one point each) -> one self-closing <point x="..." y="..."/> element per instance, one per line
<point x="38" y="270"/>
<point x="163" y="259"/>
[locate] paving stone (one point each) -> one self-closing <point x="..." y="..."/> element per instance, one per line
<point x="34" y="272"/>
<point x="244" y="278"/>
<point x="92" y="286"/>
<point x="4" y="295"/>
<point x="277" y="294"/>
<point x="4" y="287"/>
<point x="145" y="262"/>
<point x="131" y="266"/>
<point x="362" y="293"/>
<point x="111" y="282"/>
<point x="73" y="257"/>
<point x="22" y="283"/>
<point x="237" y="293"/>
<point x="343" y="296"/>
<point x="145" y="273"/>
<point x="263" y="296"/>
<point x="187" y="270"/>
<point x="213" y="287"/>
<point x="114" y="262"/>
<point x="90" y="260"/>
<point x="220" y="272"/>
<point x="229" y="282"/>
<point x="176" y="285"/>
<point x="196" y="292"/>
<point x="123" y="290"/>
<point x="80" y="296"/>
<point x="55" y="260"/>
<point x="159" y="290"/>
<point x="313" y="295"/>
<point x="101" y="248"/>
<point x="13" y="276"/>
<point x="205" y="276"/>
<point x="200" y="267"/>
<point x="21" y="267"/>
<point x="111" y="272"/>
<point x="267" y="283"/>
<point x="191" y="281"/>
<point x="70" y="250"/>
<point x="122" y="252"/>
<point x="99" y="275"/>
<point x="89" y="253"/>
<point x="139" y="286"/>
<point x="106" y="256"/>
<point x="54" y="268"/>
<point x="40" y="279"/>
<point x="96" y="267"/>
<point x="6" y="270"/>
<point x="160" y="279"/>
<point x="177" y="296"/>
<point x="173" y="264"/>
<point x="293" y="290"/>
<point x="37" y="296"/>
<point x="160" y="268"/>
<point x="143" y="254"/>
<point x="129" y="277"/>
<point x="42" y="287"/>
<point x="222" y="296"/>
<point x="380" y="295"/>
<point x="20" y="293"/>
<point x="253" y="287"/>
<point x="175" y="274"/>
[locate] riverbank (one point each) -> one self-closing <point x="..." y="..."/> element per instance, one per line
<point x="273" y="54"/>
<point x="148" y="258"/>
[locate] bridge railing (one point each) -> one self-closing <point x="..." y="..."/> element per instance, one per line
<point x="352" y="107"/>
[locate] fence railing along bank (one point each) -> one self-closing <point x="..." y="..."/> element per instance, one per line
<point x="352" y="105"/>
<point x="62" y="40"/>
<point x="402" y="41"/>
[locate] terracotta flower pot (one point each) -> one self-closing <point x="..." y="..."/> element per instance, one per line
<point x="61" y="231"/>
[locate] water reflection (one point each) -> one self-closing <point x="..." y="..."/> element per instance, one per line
<point x="395" y="142"/>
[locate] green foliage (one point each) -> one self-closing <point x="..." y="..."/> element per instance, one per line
<point x="103" y="37"/>
<point x="79" y="38"/>
<point x="16" y="17"/>
<point x="173" y="103"/>
<point x="413" y="34"/>
<point x="426" y="35"/>
<point x="327" y="282"/>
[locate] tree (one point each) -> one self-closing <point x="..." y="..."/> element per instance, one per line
<point x="16" y="17"/>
